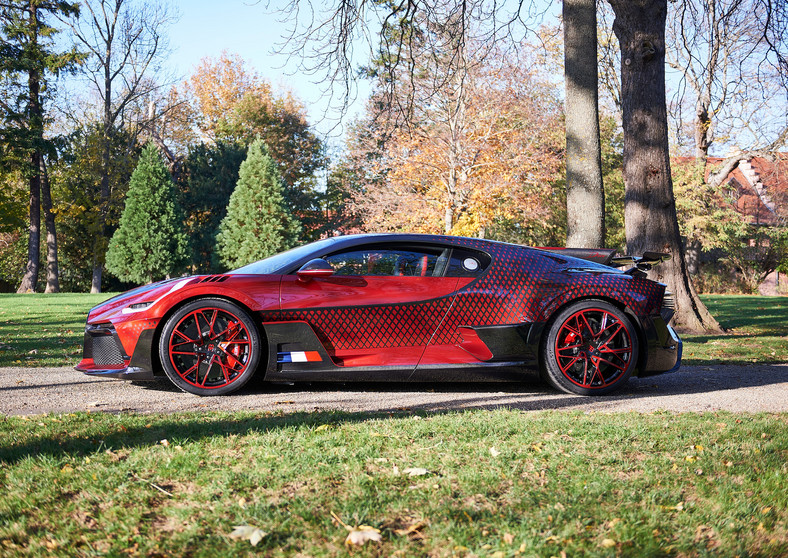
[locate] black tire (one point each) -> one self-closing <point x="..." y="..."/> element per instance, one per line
<point x="210" y="346"/>
<point x="590" y="348"/>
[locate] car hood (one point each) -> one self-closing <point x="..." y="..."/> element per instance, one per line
<point x="145" y="294"/>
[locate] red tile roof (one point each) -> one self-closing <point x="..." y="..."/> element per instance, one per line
<point x="759" y="186"/>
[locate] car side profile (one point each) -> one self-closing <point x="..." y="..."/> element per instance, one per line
<point x="394" y="307"/>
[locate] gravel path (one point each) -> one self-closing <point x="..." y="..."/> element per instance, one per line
<point x="27" y="391"/>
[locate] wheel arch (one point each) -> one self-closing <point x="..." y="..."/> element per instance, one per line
<point x="642" y="354"/>
<point x="158" y="370"/>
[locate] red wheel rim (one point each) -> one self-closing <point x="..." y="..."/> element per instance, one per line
<point x="593" y="348"/>
<point x="210" y="348"/>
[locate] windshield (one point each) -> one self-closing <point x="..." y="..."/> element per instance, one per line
<point x="279" y="262"/>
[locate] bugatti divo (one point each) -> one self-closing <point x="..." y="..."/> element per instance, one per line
<point x="394" y="307"/>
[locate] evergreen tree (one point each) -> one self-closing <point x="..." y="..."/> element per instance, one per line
<point x="150" y="243"/>
<point x="258" y="223"/>
<point x="28" y="56"/>
<point x="208" y="178"/>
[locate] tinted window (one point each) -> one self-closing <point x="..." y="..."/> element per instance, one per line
<point x="278" y="262"/>
<point x="389" y="262"/>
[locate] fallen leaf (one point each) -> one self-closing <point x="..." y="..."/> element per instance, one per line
<point x="412" y="530"/>
<point x="165" y="442"/>
<point x="363" y="534"/>
<point x="608" y="543"/>
<point x="248" y="532"/>
<point x="415" y="471"/>
<point x="322" y="427"/>
<point x="508" y="538"/>
<point x="494" y="452"/>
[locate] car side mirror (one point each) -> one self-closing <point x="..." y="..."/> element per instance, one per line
<point x="315" y="268"/>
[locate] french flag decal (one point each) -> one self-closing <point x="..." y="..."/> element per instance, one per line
<point x="299" y="356"/>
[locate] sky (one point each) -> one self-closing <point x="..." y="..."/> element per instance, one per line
<point x="255" y="32"/>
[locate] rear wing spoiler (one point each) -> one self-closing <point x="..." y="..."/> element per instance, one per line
<point x="602" y="256"/>
<point x="640" y="264"/>
<point x="606" y="256"/>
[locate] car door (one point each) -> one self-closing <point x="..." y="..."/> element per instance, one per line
<point x="380" y="307"/>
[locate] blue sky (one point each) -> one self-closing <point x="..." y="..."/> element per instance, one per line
<point x="248" y="28"/>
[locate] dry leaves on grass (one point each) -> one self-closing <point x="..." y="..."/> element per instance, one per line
<point x="248" y="532"/>
<point x="360" y="534"/>
<point x="363" y="534"/>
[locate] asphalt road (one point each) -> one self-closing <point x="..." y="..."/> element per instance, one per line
<point x="28" y="391"/>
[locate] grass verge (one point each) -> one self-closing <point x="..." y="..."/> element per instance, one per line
<point x="476" y="483"/>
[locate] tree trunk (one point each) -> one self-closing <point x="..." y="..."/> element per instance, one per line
<point x="36" y="125"/>
<point x="53" y="283"/>
<point x="650" y="209"/>
<point x="100" y="244"/>
<point x="693" y="257"/>
<point x="30" y="277"/>
<point x="585" y="197"/>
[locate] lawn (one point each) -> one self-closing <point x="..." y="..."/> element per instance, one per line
<point x="758" y="331"/>
<point x="47" y="330"/>
<point x="44" y="329"/>
<point x="473" y="483"/>
<point x="477" y="483"/>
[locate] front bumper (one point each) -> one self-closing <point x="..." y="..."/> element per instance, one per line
<point x="103" y="354"/>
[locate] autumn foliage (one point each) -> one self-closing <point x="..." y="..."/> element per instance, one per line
<point x="483" y="150"/>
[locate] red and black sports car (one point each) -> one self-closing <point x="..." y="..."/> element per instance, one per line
<point x="394" y="307"/>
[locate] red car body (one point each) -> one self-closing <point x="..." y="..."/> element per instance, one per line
<point x="391" y="307"/>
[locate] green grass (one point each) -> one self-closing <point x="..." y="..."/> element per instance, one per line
<point x="660" y="484"/>
<point x="44" y="329"/>
<point x="758" y="331"/>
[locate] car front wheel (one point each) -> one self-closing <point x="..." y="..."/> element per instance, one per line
<point x="209" y="347"/>
<point x="591" y="348"/>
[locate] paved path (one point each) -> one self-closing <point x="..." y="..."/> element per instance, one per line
<point x="26" y="391"/>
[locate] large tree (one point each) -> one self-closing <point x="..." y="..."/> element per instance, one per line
<point x="650" y="208"/>
<point x="585" y="196"/>
<point x="150" y="243"/>
<point x="210" y="173"/>
<point x="481" y="152"/>
<point x="77" y="182"/>
<point x="258" y="223"/>
<point x="232" y="104"/>
<point x="28" y="57"/>
<point x="125" y="41"/>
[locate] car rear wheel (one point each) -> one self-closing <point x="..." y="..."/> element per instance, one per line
<point x="591" y="348"/>
<point x="210" y="347"/>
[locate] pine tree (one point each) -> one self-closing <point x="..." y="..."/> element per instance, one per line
<point x="29" y="55"/>
<point x="258" y="223"/>
<point x="150" y="243"/>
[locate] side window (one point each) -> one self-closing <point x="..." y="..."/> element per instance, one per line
<point x="388" y="262"/>
<point x="467" y="263"/>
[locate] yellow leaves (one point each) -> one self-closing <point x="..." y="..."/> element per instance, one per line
<point x="608" y="543"/>
<point x="413" y="530"/>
